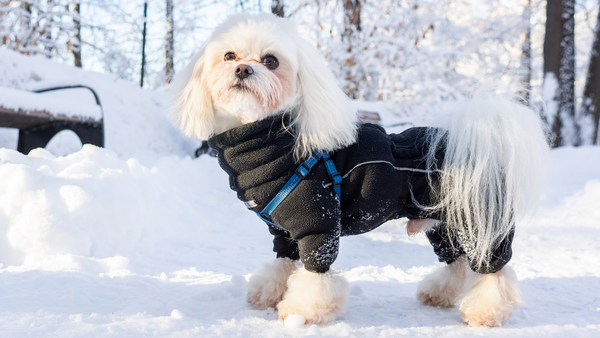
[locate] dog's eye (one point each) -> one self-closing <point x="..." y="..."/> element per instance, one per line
<point x="270" y="62"/>
<point x="229" y="56"/>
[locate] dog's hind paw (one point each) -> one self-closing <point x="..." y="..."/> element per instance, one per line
<point x="318" y="297"/>
<point x="267" y="287"/>
<point x="437" y="299"/>
<point x="490" y="300"/>
<point x="443" y="286"/>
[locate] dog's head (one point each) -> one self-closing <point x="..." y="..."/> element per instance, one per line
<point x="257" y="65"/>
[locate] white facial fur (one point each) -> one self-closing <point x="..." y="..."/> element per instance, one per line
<point x="207" y="100"/>
<point x="239" y="101"/>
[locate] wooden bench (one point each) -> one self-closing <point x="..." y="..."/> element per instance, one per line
<point x="39" y="117"/>
<point x="368" y="117"/>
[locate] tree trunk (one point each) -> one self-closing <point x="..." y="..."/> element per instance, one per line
<point x="564" y="124"/>
<point x="526" y="55"/>
<point x="277" y="8"/>
<point x="559" y="71"/>
<point x="552" y="53"/>
<point x="590" y="107"/>
<point x="169" y="72"/>
<point x="48" y="28"/>
<point x="352" y="16"/>
<point x="26" y="26"/>
<point x="77" y="31"/>
<point x="351" y="31"/>
<point x="144" y="45"/>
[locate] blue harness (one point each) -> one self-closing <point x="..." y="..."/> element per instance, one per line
<point x="299" y="174"/>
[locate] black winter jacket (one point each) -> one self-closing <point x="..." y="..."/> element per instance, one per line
<point x="384" y="178"/>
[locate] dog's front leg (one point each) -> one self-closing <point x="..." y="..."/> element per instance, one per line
<point x="318" y="297"/>
<point x="267" y="287"/>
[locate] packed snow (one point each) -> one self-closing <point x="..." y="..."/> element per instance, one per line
<point x="139" y="239"/>
<point x="28" y="101"/>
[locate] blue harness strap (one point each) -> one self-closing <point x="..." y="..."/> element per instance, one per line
<point x="298" y="175"/>
<point x="334" y="175"/>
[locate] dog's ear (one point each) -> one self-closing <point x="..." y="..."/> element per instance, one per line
<point x="192" y="108"/>
<point x="325" y="120"/>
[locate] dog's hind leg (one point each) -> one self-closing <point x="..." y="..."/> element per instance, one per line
<point x="267" y="287"/>
<point x="489" y="299"/>
<point x="318" y="297"/>
<point x="443" y="286"/>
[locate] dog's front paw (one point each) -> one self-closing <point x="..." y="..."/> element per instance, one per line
<point x="318" y="297"/>
<point x="267" y="287"/>
<point x="490" y="300"/>
<point x="485" y="316"/>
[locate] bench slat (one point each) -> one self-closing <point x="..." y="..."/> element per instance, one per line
<point x="22" y="119"/>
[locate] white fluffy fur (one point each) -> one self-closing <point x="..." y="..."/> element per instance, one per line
<point x="493" y="169"/>
<point x="318" y="297"/>
<point x="203" y="102"/>
<point x="490" y="300"/>
<point x="483" y="299"/>
<point x="267" y="287"/>
<point x="443" y="286"/>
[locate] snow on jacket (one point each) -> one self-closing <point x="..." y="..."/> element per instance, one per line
<point x="384" y="178"/>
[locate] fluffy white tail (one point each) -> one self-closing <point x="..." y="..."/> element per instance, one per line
<point x="495" y="154"/>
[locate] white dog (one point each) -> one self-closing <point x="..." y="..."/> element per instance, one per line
<point x="266" y="101"/>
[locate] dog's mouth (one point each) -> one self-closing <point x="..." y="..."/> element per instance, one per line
<point x="241" y="86"/>
<point x="245" y="89"/>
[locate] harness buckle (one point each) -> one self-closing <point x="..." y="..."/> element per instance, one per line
<point x="336" y="178"/>
<point x="302" y="170"/>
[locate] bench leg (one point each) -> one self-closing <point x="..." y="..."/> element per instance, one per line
<point x="39" y="136"/>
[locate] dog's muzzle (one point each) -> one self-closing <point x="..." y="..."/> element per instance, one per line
<point x="243" y="71"/>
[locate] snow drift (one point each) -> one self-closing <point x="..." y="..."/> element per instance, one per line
<point x="139" y="239"/>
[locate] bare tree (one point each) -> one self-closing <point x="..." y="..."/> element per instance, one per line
<point x="144" y="44"/>
<point x="48" y="36"/>
<point x="351" y="30"/>
<point x="559" y="70"/>
<point x="564" y="125"/>
<point x="277" y="8"/>
<point x="552" y="54"/>
<point x="526" y="54"/>
<point x="34" y="27"/>
<point x="169" y="67"/>
<point x="590" y="107"/>
<point x="77" y="34"/>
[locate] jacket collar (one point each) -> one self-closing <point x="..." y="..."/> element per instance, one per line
<point x="276" y="126"/>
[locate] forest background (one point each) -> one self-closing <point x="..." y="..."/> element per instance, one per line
<point x="413" y="55"/>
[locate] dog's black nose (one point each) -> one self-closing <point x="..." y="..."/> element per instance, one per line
<point x="243" y="71"/>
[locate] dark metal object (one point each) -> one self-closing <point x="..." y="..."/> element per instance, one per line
<point x="144" y="44"/>
<point x="277" y="8"/>
<point x="205" y="149"/>
<point x="36" y="129"/>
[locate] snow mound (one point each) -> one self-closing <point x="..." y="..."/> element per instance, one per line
<point x="93" y="212"/>
<point x="135" y="120"/>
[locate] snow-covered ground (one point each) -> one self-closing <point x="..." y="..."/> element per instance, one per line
<point x="140" y="240"/>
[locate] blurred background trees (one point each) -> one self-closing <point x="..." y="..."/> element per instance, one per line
<point x="413" y="55"/>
